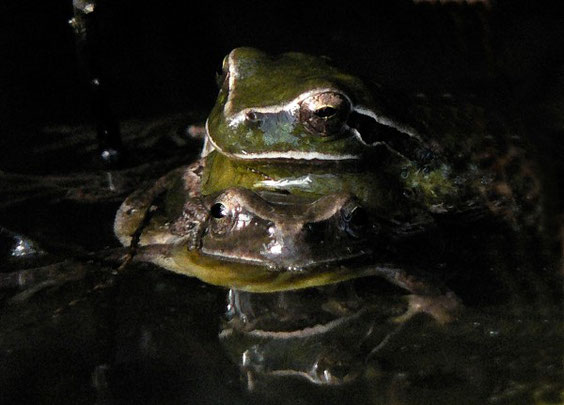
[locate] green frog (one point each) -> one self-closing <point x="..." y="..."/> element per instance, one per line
<point x="294" y="123"/>
<point x="292" y="107"/>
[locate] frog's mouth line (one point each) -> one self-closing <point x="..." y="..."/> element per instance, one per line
<point x="298" y="267"/>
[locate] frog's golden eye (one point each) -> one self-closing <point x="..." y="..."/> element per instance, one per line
<point x="325" y="114"/>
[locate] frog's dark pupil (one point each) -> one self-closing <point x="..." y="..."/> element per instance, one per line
<point x="218" y="210"/>
<point x="326" y="112"/>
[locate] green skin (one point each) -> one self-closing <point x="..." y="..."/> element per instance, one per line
<point x="377" y="192"/>
<point x="408" y="159"/>
<point x="274" y="88"/>
<point x="383" y="176"/>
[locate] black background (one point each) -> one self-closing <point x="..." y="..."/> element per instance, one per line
<point x="159" y="57"/>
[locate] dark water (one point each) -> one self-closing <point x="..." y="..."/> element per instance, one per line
<point x="75" y="329"/>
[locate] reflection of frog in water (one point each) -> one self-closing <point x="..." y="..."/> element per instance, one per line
<point x="309" y="178"/>
<point x="327" y="335"/>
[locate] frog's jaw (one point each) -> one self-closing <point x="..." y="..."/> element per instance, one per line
<point x="249" y="277"/>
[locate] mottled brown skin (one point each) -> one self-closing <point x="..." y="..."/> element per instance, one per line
<point x="287" y="234"/>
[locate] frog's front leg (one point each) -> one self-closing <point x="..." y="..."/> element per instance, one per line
<point x="196" y="132"/>
<point x="137" y="221"/>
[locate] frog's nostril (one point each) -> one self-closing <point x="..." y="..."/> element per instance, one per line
<point x="251" y="116"/>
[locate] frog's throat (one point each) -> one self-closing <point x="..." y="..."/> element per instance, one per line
<point x="282" y="267"/>
<point x="249" y="277"/>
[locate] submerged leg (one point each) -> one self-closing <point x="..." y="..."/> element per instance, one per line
<point x="427" y="297"/>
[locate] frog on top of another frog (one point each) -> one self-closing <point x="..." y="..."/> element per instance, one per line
<point x="292" y="106"/>
<point x="294" y="123"/>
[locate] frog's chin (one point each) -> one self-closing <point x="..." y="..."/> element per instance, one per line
<point x="253" y="277"/>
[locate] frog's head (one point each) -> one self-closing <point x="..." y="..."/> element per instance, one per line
<point x="294" y="106"/>
<point x="284" y="233"/>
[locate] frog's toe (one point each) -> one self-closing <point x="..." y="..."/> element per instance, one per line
<point x="196" y="131"/>
<point x="442" y="308"/>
